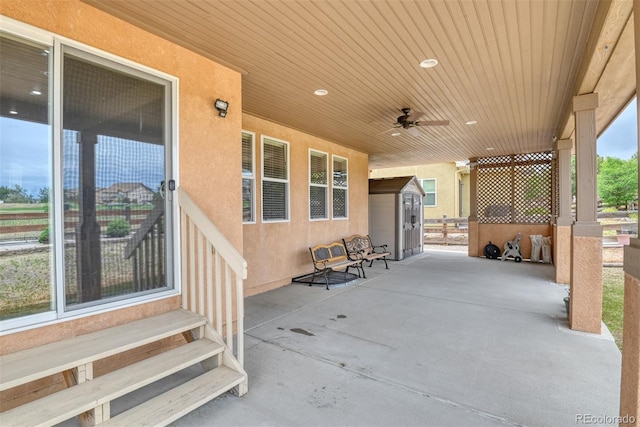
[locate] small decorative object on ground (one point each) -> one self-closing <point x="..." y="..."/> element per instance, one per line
<point x="512" y="249"/>
<point x="546" y="250"/>
<point x="491" y="251"/>
<point x="536" y="247"/>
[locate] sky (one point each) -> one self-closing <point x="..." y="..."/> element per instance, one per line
<point x="621" y="138"/>
<point x="25" y="158"/>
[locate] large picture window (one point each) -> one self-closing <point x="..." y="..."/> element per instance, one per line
<point x="275" y="180"/>
<point x="82" y="182"/>
<point x="318" y="185"/>
<point x="340" y="188"/>
<point x="248" y="177"/>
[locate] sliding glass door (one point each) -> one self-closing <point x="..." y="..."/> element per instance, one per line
<point x="114" y="163"/>
<point x="86" y="144"/>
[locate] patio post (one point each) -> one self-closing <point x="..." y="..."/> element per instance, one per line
<point x="585" y="312"/>
<point x="88" y="258"/>
<point x="630" y="376"/>
<point x="472" y="230"/>
<point x="564" y="220"/>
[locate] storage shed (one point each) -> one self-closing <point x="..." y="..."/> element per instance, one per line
<point x="396" y="215"/>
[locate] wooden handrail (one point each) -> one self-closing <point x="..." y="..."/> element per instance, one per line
<point x="205" y="250"/>
<point x="211" y="232"/>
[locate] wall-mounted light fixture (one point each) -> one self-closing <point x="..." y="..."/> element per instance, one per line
<point x="222" y="107"/>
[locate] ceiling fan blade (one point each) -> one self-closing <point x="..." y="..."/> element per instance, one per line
<point x="414" y="116"/>
<point x="414" y="131"/>
<point x="387" y="130"/>
<point x="432" y="123"/>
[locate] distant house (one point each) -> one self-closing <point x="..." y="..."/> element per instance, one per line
<point x="446" y="186"/>
<point x="133" y="192"/>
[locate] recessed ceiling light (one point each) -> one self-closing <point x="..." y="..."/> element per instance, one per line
<point x="429" y="63"/>
<point x="13" y="111"/>
<point x="320" y="92"/>
<point x="471" y="122"/>
<point x="490" y="148"/>
<point x="36" y="92"/>
<point x="396" y="134"/>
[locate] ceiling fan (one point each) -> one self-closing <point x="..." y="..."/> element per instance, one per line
<point x="411" y="120"/>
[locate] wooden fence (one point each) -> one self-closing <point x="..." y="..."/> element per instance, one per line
<point x="446" y="230"/>
<point x="449" y="230"/>
<point x="37" y="221"/>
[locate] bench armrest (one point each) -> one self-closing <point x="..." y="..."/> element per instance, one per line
<point x="321" y="265"/>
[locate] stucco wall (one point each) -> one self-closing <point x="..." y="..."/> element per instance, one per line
<point x="499" y="234"/>
<point x="209" y="146"/>
<point x="447" y="190"/>
<point x="276" y="252"/>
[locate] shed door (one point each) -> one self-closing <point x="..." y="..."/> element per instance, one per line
<point x="412" y="228"/>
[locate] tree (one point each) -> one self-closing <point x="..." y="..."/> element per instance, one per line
<point x="43" y="195"/>
<point x="17" y="194"/>
<point x="618" y="181"/>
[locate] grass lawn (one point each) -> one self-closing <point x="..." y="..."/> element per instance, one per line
<point x="25" y="279"/>
<point x="612" y="301"/>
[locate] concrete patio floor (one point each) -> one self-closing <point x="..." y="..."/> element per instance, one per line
<point x="439" y="339"/>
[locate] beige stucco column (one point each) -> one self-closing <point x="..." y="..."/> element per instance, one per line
<point x="585" y="312"/>
<point x="473" y="209"/>
<point x="564" y="220"/>
<point x="630" y="379"/>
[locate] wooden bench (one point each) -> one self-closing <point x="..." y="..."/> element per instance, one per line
<point x="360" y="247"/>
<point x="332" y="257"/>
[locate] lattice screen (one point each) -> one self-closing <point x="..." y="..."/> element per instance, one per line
<point x="515" y="189"/>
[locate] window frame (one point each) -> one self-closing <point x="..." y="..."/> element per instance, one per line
<point x="434" y="192"/>
<point x="61" y="45"/>
<point x="287" y="181"/>
<point x="325" y="185"/>
<point x="345" y="188"/>
<point x="252" y="177"/>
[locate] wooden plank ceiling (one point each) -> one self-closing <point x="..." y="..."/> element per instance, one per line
<point x="512" y="66"/>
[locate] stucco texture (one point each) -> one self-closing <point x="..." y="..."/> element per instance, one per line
<point x="585" y="312"/>
<point x="630" y="386"/>
<point x="209" y="150"/>
<point x="209" y="146"/>
<point x="276" y="252"/>
<point x="630" y="379"/>
<point x="499" y="234"/>
<point x="562" y="253"/>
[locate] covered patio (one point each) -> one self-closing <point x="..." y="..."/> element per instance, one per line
<point x="438" y="339"/>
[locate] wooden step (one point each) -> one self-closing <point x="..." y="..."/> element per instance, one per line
<point x="180" y="400"/>
<point x="28" y="365"/>
<point x="83" y="397"/>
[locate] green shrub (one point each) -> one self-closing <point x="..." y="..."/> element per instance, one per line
<point x="44" y="236"/>
<point x="118" y="228"/>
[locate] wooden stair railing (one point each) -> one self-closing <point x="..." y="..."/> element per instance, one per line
<point x="147" y="249"/>
<point x="213" y="274"/>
